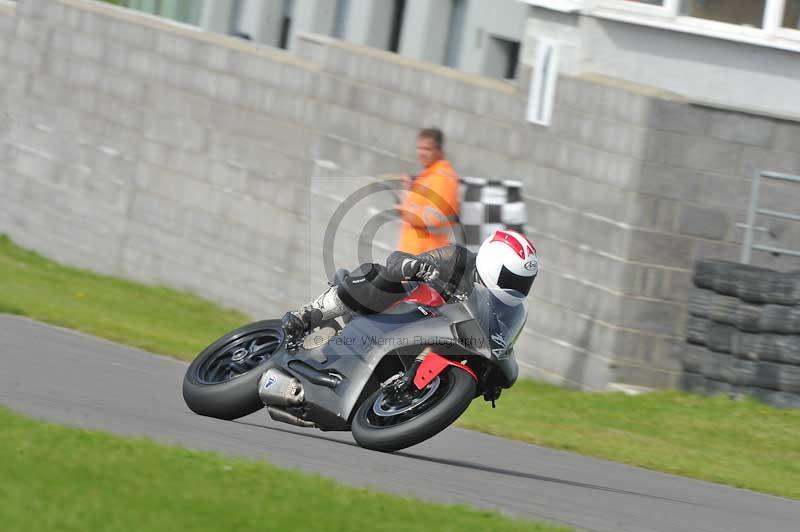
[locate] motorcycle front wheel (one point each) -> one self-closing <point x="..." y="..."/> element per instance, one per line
<point x="390" y="421"/>
<point x="222" y="382"/>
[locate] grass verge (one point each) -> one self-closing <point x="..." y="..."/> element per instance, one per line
<point x="744" y="444"/>
<point x="157" y="319"/>
<point x="59" y="478"/>
<point x="740" y="443"/>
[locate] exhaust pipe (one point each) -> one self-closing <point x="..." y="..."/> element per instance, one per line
<point x="276" y="388"/>
<point x="285" y="417"/>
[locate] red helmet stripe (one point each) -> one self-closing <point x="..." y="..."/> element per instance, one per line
<point x="516" y="245"/>
<point x="528" y="240"/>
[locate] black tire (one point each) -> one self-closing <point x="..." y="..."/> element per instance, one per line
<point x="774" y="347"/>
<point x="692" y="358"/>
<point x="726" y="276"/>
<point x="745" y="372"/>
<point x="720" y="338"/>
<point x="208" y="392"/>
<point x="770" y="287"/>
<point x="706" y="270"/>
<point x="723" y="309"/>
<point x="751" y="286"/>
<point x="779" y="319"/>
<point x="697" y="330"/>
<point x="718" y="367"/>
<point x="725" y="284"/>
<point x="778" y="377"/>
<point x="459" y="390"/>
<point x="700" y="302"/>
<point x="747" y="317"/>
<point x="746" y="346"/>
<point x="776" y="399"/>
<point x="714" y="387"/>
<point x="692" y="382"/>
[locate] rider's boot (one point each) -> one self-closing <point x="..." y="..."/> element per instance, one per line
<point x="326" y="307"/>
<point x="298" y="324"/>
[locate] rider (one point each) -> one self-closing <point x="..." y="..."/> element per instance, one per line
<point x="506" y="264"/>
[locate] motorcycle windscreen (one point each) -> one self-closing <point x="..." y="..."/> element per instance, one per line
<point x="502" y="323"/>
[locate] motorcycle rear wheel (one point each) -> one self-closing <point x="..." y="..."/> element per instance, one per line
<point x="385" y="423"/>
<point x="222" y="382"/>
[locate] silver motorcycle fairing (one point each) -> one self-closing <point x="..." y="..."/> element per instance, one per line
<point x="353" y="355"/>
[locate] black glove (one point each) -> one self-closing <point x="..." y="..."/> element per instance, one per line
<point x="415" y="269"/>
<point x="427" y="272"/>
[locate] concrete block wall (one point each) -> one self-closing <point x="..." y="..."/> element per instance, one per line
<point x="208" y="163"/>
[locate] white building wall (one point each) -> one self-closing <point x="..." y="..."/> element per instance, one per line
<point x="700" y="67"/>
<point x="312" y="16"/>
<point x="261" y="20"/>
<point x="370" y="22"/>
<point x="486" y="18"/>
<point x="423" y="34"/>
<point x="216" y="15"/>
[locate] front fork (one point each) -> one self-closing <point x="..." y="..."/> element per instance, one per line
<point x="405" y="382"/>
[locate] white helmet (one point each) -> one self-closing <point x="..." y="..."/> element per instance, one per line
<point x="507" y="265"/>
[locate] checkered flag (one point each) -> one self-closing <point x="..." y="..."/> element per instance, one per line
<point x="488" y="206"/>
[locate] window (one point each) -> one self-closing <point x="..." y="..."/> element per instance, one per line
<point x="791" y="15"/>
<point x="646" y="7"/>
<point x="762" y="19"/>
<point x="501" y="59"/>
<point x="746" y="13"/>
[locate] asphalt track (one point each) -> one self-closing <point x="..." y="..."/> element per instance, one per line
<point x="59" y="375"/>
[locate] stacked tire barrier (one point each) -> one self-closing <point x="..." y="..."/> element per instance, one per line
<point x="743" y="333"/>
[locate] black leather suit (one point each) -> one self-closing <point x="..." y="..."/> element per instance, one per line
<point x="372" y="288"/>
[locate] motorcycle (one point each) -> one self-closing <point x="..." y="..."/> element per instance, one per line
<point x="393" y="379"/>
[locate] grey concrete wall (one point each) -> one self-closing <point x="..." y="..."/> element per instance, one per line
<point x="145" y="149"/>
<point x="142" y="148"/>
<point x="699" y="67"/>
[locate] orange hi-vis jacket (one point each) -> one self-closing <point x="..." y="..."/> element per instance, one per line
<point x="429" y="209"/>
